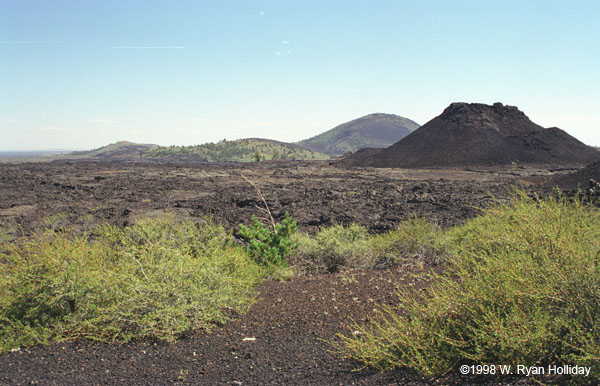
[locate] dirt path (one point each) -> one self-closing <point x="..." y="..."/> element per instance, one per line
<point x="281" y="340"/>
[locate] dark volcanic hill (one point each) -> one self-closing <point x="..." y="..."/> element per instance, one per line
<point x="475" y="134"/>
<point x="579" y="179"/>
<point x="373" y="130"/>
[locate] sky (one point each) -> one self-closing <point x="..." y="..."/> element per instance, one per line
<point x="82" y="74"/>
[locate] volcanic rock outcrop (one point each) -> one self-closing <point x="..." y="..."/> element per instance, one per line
<point x="475" y="134"/>
<point x="586" y="178"/>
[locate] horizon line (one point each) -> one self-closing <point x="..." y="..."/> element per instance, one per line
<point x="150" y="47"/>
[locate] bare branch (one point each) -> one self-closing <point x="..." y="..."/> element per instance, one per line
<point x="266" y="211"/>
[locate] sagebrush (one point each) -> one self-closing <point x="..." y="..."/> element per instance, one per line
<point x="523" y="287"/>
<point x="415" y="241"/>
<point x="158" y="279"/>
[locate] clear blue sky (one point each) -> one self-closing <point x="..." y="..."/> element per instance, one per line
<point x="81" y="74"/>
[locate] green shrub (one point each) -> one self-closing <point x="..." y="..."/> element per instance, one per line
<point x="267" y="246"/>
<point x="334" y="247"/>
<point x="158" y="279"/>
<point x="523" y="288"/>
<point x="415" y="241"/>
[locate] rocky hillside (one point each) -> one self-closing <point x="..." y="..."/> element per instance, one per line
<point x="121" y="150"/>
<point x="585" y="178"/>
<point x="240" y="150"/>
<point x="373" y="130"/>
<point x="474" y="134"/>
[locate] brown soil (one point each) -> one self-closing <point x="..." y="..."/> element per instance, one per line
<point x="478" y="134"/>
<point x="291" y="321"/>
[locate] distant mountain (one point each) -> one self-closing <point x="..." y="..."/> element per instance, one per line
<point x="373" y="130"/>
<point x="240" y="150"/>
<point x="473" y="134"/>
<point x="122" y="150"/>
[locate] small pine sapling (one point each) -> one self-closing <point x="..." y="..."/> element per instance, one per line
<point x="268" y="246"/>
